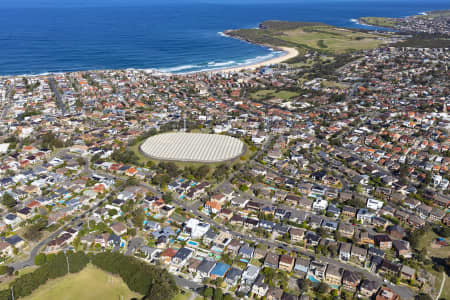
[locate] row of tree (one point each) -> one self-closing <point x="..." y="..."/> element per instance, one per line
<point x="56" y="265"/>
<point x="153" y="282"/>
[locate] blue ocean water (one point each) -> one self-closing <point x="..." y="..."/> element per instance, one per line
<point x="171" y="37"/>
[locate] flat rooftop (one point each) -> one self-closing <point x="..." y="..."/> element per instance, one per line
<point x="192" y="147"/>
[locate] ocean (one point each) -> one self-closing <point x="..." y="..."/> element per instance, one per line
<point x="169" y="37"/>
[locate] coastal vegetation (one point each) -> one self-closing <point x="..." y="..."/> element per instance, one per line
<point x="306" y="36"/>
<point x="379" y="21"/>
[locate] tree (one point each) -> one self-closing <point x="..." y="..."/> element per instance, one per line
<point x="304" y="284"/>
<point x="322" y="288"/>
<point x="131" y="231"/>
<point x="138" y="217"/>
<point x="243" y="188"/>
<point x="218" y="294"/>
<point x="6" y="270"/>
<point x="208" y="292"/>
<point x="423" y="296"/>
<point x="8" y="200"/>
<point x="112" y="212"/>
<point x="40" y="259"/>
<point x="33" y="232"/>
<point x="167" y="197"/>
<point x="227" y="297"/>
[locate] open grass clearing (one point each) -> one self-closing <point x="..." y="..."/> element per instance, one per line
<point x="336" y="40"/>
<point x="89" y="284"/>
<point x="264" y="94"/>
<point x="181" y="296"/>
<point x="426" y="242"/>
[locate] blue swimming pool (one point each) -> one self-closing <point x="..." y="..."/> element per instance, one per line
<point x="313" y="279"/>
<point x="192" y="243"/>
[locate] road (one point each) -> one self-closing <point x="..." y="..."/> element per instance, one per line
<point x="404" y="292"/>
<point x="30" y="260"/>
<point x="59" y="99"/>
<point x="8" y="105"/>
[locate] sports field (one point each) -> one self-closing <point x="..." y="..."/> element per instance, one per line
<point x="89" y="284"/>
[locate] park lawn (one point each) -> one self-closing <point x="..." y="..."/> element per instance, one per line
<point x="427" y="240"/>
<point x="89" y="284"/>
<point x="285" y="94"/>
<point x="331" y="39"/>
<point x="273" y="94"/>
<point x="261" y="93"/>
<point x="182" y="297"/>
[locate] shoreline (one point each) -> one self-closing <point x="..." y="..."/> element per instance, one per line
<point x="288" y="54"/>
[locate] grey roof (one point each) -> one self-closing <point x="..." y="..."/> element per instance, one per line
<point x="246" y="250"/>
<point x="234" y="274"/>
<point x="183" y="253"/>
<point x="370" y="285"/>
<point x="206" y="266"/>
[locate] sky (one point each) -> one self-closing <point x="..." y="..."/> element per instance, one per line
<point x="100" y="3"/>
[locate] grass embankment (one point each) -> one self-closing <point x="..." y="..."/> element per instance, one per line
<point x="89" y="284"/>
<point x="309" y="36"/>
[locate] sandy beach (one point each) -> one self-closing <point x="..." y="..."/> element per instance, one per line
<point x="288" y="54"/>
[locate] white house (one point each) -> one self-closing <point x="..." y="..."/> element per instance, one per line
<point x="320" y="205"/>
<point x="374" y="204"/>
<point x="196" y="228"/>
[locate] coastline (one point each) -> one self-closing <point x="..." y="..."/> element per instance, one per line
<point x="288" y="54"/>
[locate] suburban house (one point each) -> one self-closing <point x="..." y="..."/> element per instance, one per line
<point x="286" y="263"/>
<point x="333" y="275"/>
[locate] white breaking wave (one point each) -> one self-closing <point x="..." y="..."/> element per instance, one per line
<point x="179" y="68"/>
<point x="221" y="64"/>
<point x="222" y="34"/>
<point x="258" y="59"/>
<point x="423" y="13"/>
<point x="356" y="21"/>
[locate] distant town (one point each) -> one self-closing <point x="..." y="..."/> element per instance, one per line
<point x="342" y="189"/>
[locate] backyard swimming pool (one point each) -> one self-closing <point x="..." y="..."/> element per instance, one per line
<point x="192" y="243"/>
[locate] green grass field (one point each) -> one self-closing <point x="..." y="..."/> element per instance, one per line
<point x="180" y="296"/>
<point x="89" y="284"/>
<point x="333" y="39"/>
<point x="263" y="94"/>
<point x="426" y="242"/>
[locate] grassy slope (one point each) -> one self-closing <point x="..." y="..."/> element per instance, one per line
<point x="89" y="284"/>
<point x="312" y="36"/>
<point x="426" y="242"/>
